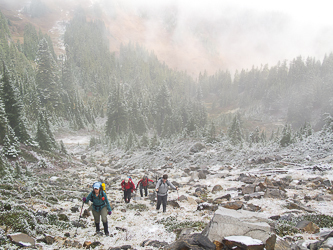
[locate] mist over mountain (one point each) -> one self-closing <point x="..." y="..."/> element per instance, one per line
<point x="196" y="36"/>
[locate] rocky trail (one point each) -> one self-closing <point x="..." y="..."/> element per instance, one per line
<point x="257" y="196"/>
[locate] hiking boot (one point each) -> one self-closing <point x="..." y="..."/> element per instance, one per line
<point x="106" y="229"/>
<point x="97" y="227"/>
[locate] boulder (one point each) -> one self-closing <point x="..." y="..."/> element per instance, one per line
<point x="202" y="175"/>
<point x="235" y="205"/>
<point x="228" y="222"/>
<point x="194" y="241"/>
<point x="22" y="240"/>
<point x="206" y="206"/>
<point x="217" y="188"/>
<point x="275" y="193"/>
<point x="308" y="226"/>
<point x="154" y="243"/>
<point x="248" y="189"/>
<point x="197" y="147"/>
<point x="243" y="243"/>
<point x="182" y="198"/>
<point x="191" y="201"/>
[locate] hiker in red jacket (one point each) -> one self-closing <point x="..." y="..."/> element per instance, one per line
<point x="127" y="186"/>
<point x="144" y="185"/>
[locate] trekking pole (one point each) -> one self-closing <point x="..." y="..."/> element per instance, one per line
<point x="79" y="220"/>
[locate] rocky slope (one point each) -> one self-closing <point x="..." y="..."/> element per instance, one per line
<point x="42" y="197"/>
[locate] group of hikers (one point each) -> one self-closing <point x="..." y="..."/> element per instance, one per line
<point x="100" y="204"/>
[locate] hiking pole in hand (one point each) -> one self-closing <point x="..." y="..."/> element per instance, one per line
<point x="79" y="220"/>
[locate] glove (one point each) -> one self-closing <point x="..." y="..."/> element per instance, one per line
<point x="84" y="199"/>
<point x="109" y="213"/>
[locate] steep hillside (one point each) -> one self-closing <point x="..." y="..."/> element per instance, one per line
<point x="183" y="49"/>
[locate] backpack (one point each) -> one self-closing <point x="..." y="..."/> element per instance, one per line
<point x="161" y="178"/>
<point x="103" y="190"/>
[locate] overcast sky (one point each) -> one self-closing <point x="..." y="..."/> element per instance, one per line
<point x="241" y="33"/>
<point x="255" y="32"/>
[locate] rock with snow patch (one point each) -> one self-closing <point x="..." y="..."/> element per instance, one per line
<point x="124" y="247"/>
<point x="228" y="222"/>
<point x="197" y="147"/>
<point x="243" y="243"/>
<point x="294" y="205"/>
<point x="22" y="239"/>
<point x="223" y="198"/>
<point x="75" y="209"/>
<point x="256" y="195"/>
<point x="154" y="243"/>
<point x="327" y="242"/>
<point x="194" y="241"/>
<point x="206" y="206"/>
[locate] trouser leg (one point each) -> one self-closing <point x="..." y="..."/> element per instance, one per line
<point x="125" y="195"/>
<point x="146" y="191"/>
<point x="96" y="216"/>
<point x="129" y="195"/>
<point x="141" y="192"/>
<point x="104" y="214"/>
<point x="164" y="202"/>
<point x="159" y="201"/>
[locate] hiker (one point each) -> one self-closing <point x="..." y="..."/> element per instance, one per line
<point x="144" y="185"/>
<point x="162" y="191"/>
<point x="127" y="186"/>
<point x="100" y="206"/>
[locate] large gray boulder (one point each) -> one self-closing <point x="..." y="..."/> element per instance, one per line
<point x="228" y="222"/>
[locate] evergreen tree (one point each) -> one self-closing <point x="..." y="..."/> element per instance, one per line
<point x="44" y="136"/>
<point x="13" y="107"/>
<point x="31" y="40"/>
<point x="117" y="119"/>
<point x="3" y="121"/>
<point x="212" y="133"/>
<point x="130" y="141"/>
<point x="235" y="131"/>
<point x="154" y="142"/>
<point x="162" y="107"/>
<point x="286" y="138"/>
<point x="255" y="136"/>
<point x="144" y="141"/>
<point x="11" y="146"/>
<point x="47" y="78"/>
<point x="62" y="147"/>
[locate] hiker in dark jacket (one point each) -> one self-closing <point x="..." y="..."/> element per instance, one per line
<point x="144" y="185"/>
<point x="100" y="206"/>
<point x="162" y="191"/>
<point x="127" y="186"/>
